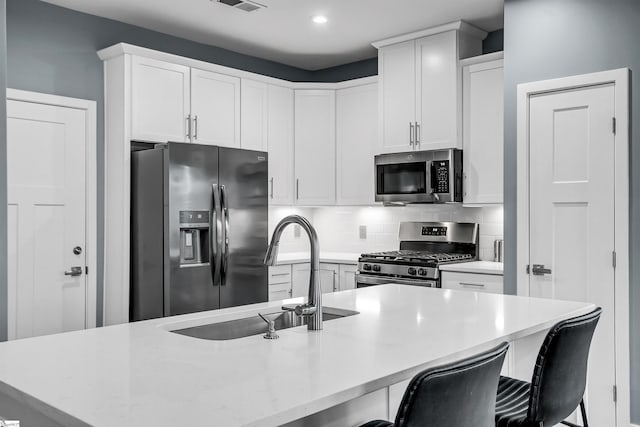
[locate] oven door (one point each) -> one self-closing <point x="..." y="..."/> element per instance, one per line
<point x="403" y="177"/>
<point x="364" y="280"/>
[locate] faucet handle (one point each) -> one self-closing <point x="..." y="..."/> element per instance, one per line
<point x="271" y="332"/>
<point x="301" y="310"/>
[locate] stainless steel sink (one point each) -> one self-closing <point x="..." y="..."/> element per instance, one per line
<point x="254" y="325"/>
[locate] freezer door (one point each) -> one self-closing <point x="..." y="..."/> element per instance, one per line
<point x="194" y="227"/>
<point x="243" y="184"/>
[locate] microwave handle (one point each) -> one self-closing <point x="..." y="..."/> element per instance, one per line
<point x="433" y="179"/>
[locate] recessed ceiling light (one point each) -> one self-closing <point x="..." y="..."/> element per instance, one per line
<point x="319" y="19"/>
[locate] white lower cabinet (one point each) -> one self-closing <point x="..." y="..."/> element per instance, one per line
<point x="279" y="282"/>
<point x="347" y="276"/>
<point x="292" y="281"/>
<point x="490" y="283"/>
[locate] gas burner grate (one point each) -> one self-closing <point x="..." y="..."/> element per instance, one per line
<point x="420" y="256"/>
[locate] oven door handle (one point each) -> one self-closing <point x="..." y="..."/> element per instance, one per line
<point x="370" y="279"/>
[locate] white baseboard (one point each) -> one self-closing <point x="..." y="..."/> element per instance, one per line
<point x="634" y="425"/>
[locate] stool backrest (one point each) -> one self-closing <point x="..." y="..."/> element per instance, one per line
<point x="459" y="394"/>
<point x="560" y="373"/>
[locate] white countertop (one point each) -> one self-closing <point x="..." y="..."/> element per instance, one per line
<point x="326" y="257"/>
<point x="141" y="375"/>
<point x="480" y="267"/>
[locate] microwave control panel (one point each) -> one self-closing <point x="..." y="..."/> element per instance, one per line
<point x="440" y="176"/>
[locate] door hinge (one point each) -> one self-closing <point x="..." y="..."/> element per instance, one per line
<point x="86" y="270"/>
<point x="528" y="269"/>
<point x="615" y="393"/>
<point x="613" y="121"/>
<point x="614" y="261"/>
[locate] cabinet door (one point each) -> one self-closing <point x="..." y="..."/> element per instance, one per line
<point x="315" y="149"/>
<point x="215" y="108"/>
<point x="159" y="101"/>
<point x="329" y="279"/>
<point x="397" y="67"/>
<point x="356" y="141"/>
<point x="280" y="142"/>
<point x="347" y="276"/>
<point x="254" y="106"/>
<point x="438" y="91"/>
<point x="483" y="132"/>
<point x="300" y="280"/>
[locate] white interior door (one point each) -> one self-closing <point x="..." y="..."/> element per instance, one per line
<point x="572" y="219"/>
<point x="46" y="186"/>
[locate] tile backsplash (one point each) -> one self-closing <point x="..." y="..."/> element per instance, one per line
<point x="366" y="229"/>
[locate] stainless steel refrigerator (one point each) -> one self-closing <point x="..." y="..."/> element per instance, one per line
<point x="199" y="218"/>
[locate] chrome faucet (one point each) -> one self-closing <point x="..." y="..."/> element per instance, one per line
<point x="312" y="310"/>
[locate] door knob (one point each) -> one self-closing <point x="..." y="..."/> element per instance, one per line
<point x="75" y="271"/>
<point x="540" y="270"/>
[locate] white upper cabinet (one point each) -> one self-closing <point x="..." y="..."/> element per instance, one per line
<point x="315" y="149"/>
<point x="437" y="89"/>
<point x="280" y="142"/>
<point x="356" y="138"/>
<point x="215" y="108"/>
<point x="160" y="95"/>
<point x="396" y="64"/>
<point x="420" y="87"/>
<point x="254" y="106"/>
<point x="483" y="130"/>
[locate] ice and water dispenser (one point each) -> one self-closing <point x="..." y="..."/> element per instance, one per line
<point x="194" y="237"/>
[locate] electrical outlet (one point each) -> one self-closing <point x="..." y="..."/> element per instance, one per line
<point x="363" y="231"/>
<point x="297" y="230"/>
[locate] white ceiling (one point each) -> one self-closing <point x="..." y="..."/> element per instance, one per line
<point x="284" y="32"/>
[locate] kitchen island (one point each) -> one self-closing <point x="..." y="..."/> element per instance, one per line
<point x="141" y="374"/>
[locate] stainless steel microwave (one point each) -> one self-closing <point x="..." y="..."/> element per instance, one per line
<point x="433" y="176"/>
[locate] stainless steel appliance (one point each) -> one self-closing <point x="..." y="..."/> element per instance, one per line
<point x="424" y="246"/>
<point x="433" y="176"/>
<point x="199" y="229"/>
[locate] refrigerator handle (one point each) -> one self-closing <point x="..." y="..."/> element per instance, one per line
<point x="225" y="246"/>
<point x="215" y="236"/>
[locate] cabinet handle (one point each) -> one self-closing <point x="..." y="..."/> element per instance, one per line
<point x="271" y="193"/>
<point x="195" y="123"/>
<point x="473" y="285"/>
<point x="334" y="282"/>
<point x="280" y="274"/>
<point x="411" y="134"/>
<point x="189" y="127"/>
<point x="297" y="188"/>
<point x="417" y="143"/>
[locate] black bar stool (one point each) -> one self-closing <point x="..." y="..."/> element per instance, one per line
<point x="458" y="394"/>
<point x="559" y="379"/>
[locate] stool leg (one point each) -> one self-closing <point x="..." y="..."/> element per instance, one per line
<point x="584" y="414"/>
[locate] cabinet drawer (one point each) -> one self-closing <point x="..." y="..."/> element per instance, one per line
<point x="280" y="274"/>
<point x="489" y="283"/>
<point x="279" y="295"/>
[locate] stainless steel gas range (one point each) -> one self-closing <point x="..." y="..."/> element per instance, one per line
<point x="424" y="246"/>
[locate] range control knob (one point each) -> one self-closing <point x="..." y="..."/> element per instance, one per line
<point x="412" y="271"/>
<point x="422" y="272"/>
<point x="366" y="267"/>
<point x="376" y="268"/>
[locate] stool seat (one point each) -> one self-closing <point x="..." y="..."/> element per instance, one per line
<point x="512" y="402"/>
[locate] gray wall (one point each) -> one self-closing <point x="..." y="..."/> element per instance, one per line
<point x="3" y="173"/>
<point x="53" y="50"/>
<point x="548" y="39"/>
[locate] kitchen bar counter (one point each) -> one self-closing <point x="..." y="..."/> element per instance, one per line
<point x="479" y="267"/>
<point x="141" y="374"/>
<point x="325" y="257"/>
